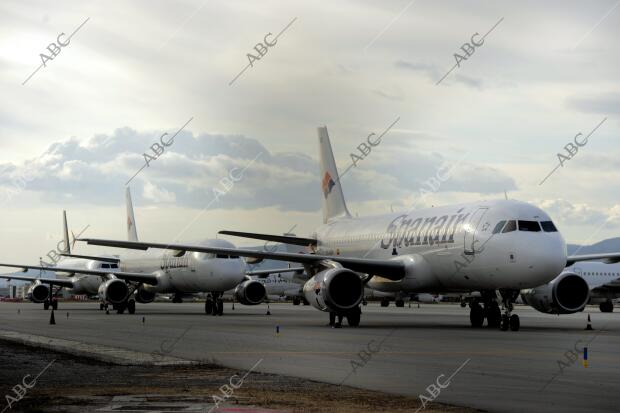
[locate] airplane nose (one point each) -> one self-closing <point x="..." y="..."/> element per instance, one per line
<point x="546" y="258"/>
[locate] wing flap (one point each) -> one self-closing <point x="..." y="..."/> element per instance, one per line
<point x="274" y="238"/>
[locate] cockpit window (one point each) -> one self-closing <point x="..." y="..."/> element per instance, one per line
<point x="531" y="226"/>
<point x="113" y="265"/>
<point x="221" y="256"/>
<point x="498" y="227"/>
<point x="510" y="226"/>
<point x="548" y="226"/>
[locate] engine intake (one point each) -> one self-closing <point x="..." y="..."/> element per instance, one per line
<point x="113" y="291"/>
<point x="336" y="290"/>
<point x="568" y="293"/>
<point x="144" y="297"/>
<point x="38" y="293"/>
<point x="250" y="292"/>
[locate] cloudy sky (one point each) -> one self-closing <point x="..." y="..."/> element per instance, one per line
<point x="75" y="132"/>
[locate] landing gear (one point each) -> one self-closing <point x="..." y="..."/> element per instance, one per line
<point x="177" y="299"/>
<point x="304" y="301"/>
<point x="493" y="314"/>
<point x="50" y="303"/>
<point x="54" y="304"/>
<point x="120" y="308"/>
<point x="399" y="303"/>
<point x="476" y="314"/>
<point x="385" y="302"/>
<point x="46" y="305"/>
<point x="353" y="318"/>
<point x="296" y="301"/>
<point x="101" y="306"/>
<point x="214" y="304"/>
<point x="509" y="320"/>
<point x="606" y="307"/>
<point x="131" y="306"/>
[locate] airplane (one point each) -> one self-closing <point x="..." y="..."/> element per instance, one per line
<point x="80" y="275"/>
<point x="497" y="247"/>
<point x="578" y="285"/>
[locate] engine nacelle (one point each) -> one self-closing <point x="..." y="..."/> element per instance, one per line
<point x="113" y="291"/>
<point x="250" y="292"/>
<point x="336" y="290"/>
<point x="143" y="296"/>
<point x="568" y="293"/>
<point x="38" y="293"/>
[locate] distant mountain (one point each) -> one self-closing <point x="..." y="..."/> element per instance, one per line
<point x="607" y="245"/>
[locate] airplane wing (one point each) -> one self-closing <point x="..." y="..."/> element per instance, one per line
<point x="390" y="269"/>
<point x="94" y="258"/>
<point x="55" y="281"/>
<point x="608" y="258"/>
<point x="266" y="273"/>
<point x="127" y="276"/>
<point x="275" y="238"/>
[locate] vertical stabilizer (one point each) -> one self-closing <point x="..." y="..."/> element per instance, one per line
<point x="132" y="232"/>
<point x="334" y="205"/>
<point x="65" y="234"/>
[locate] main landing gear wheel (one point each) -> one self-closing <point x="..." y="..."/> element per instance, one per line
<point x="220" y="306"/>
<point x="476" y="315"/>
<point x="46" y="305"/>
<point x="353" y="318"/>
<point x="399" y="303"/>
<point x="606" y="307"/>
<point x="385" y="303"/>
<point x="505" y="322"/>
<point x="54" y="304"/>
<point x="101" y="306"/>
<point x="120" y="308"/>
<point x="514" y="322"/>
<point x="296" y="301"/>
<point x="131" y="306"/>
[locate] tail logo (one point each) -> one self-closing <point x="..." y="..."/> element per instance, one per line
<point x="328" y="184"/>
<point x="129" y="223"/>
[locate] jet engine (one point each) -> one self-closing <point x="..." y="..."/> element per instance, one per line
<point x="38" y="293"/>
<point x="335" y="290"/>
<point x="143" y="296"/>
<point x="568" y="293"/>
<point x="113" y="291"/>
<point x="250" y="292"/>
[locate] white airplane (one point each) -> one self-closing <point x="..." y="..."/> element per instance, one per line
<point x="80" y="274"/>
<point x="496" y="247"/>
<point x="578" y="285"/>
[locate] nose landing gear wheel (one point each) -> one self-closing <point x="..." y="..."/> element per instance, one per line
<point x="476" y="315"/>
<point x="209" y="306"/>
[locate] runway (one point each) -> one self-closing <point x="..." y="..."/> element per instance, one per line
<point x="403" y="350"/>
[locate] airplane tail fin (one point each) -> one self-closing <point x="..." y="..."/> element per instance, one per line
<point x="66" y="249"/>
<point x="334" y="205"/>
<point x="132" y="232"/>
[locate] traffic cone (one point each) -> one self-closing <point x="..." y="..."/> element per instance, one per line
<point x="589" y="326"/>
<point x="52" y="319"/>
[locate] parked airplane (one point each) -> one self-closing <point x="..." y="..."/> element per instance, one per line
<point x="497" y="247"/>
<point x="578" y="285"/>
<point x="80" y="274"/>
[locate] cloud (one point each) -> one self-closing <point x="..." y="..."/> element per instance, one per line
<point x="576" y="214"/>
<point x="229" y="171"/>
<point x="604" y="104"/>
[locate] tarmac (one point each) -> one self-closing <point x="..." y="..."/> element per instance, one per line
<point x="430" y="352"/>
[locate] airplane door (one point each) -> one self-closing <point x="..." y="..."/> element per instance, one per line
<point x="471" y="228"/>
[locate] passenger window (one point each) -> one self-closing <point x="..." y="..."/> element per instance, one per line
<point x="510" y="226"/>
<point x="498" y="227"/>
<point x="548" y="226"/>
<point x="105" y="265"/>
<point x="113" y="265"/>
<point x="530" y="226"/>
<point x="222" y="256"/>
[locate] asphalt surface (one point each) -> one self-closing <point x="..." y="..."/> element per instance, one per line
<point x="395" y="350"/>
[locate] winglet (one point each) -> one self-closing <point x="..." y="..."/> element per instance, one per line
<point x="66" y="249"/>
